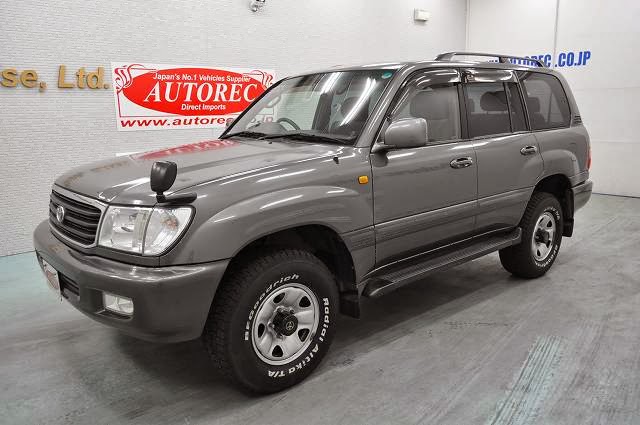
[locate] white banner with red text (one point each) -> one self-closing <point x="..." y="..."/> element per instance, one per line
<point x="171" y="97"/>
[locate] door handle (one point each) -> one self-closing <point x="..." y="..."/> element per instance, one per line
<point x="461" y="162"/>
<point x="528" y="150"/>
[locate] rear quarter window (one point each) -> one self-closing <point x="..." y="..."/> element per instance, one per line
<point x="546" y="101"/>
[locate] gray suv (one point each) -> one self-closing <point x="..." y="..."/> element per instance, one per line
<point x="330" y="187"/>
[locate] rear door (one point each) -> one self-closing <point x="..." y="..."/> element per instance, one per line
<point x="509" y="160"/>
<point x="425" y="196"/>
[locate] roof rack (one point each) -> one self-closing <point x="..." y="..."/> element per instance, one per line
<point x="501" y="58"/>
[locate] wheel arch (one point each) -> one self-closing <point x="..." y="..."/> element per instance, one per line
<point x="559" y="186"/>
<point x="323" y="242"/>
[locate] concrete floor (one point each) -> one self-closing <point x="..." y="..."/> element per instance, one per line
<point x="471" y="345"/>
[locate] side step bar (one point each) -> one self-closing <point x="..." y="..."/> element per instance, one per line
<point x="398" y="276"/>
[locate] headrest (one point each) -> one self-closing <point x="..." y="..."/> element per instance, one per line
<point x="494" y="101"/>
<point x="347" y="106"/>
<point x="431" y="105"/>
<point x="533" y="103"/>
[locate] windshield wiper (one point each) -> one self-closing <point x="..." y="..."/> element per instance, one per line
<point x="307" y="136"/>
<point x="251" y="134"/>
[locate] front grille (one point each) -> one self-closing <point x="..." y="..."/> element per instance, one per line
<point x="80" y="222"/>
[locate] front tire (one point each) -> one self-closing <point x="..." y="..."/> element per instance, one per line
<point x="541" y="238"/>
<point x="272" y="320"/>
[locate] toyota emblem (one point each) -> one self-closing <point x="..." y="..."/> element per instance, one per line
<point x="60" y="213"/>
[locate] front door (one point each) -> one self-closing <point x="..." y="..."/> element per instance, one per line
<point x="425" y="196"/>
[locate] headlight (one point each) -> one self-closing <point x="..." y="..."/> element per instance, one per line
<point x="142" y="230"/>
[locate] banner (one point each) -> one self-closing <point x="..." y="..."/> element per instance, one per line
<point x="173" y="97"/>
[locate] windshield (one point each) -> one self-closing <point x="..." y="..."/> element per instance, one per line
<point x="332" y="106"/>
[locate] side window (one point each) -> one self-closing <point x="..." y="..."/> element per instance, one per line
<point x="517" y="111"/>
<point x="546" y="101"/>
<point x="487" y="109"/>
<point x="436" y="103"/>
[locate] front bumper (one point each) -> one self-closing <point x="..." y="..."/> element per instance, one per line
<point x="171" y="304"/>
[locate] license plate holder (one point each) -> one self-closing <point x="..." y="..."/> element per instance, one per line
<point x="53" y="280"/>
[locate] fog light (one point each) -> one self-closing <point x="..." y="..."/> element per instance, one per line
<point x="117" y="304"/>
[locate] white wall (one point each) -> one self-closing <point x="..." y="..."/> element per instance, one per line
<point x="607" y="89"/>
<point x="44" y="134"/>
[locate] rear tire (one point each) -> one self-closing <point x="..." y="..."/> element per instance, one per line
<point x="541" y="238"/>
<point x="272" y="320"/>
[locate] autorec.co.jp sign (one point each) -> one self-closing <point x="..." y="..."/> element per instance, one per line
<point x="156" y="97"/>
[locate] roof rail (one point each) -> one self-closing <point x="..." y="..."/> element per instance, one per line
<point x="501" y="58"/>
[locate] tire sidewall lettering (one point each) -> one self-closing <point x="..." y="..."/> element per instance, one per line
<point x="310" y="356"/>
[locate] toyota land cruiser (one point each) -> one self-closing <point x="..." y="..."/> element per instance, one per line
<point x="330" y="187"/>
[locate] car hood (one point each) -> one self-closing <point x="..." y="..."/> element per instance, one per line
<point x="126" y="179"/>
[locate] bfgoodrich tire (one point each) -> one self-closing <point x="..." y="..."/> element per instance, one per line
<point x="272" y="320"/>
<point x="541" y="237"/>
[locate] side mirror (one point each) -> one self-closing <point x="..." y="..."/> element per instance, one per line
<point x="163" y="175"/>
<point x="403" y="134"/>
